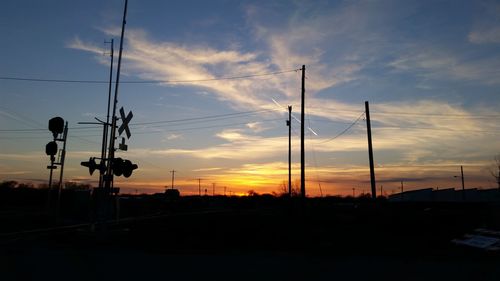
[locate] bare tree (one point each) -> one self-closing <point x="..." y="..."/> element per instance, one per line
<point x="496" y="171"/>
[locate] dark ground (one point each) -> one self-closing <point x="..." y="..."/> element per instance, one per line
<point x="258" y="238"/>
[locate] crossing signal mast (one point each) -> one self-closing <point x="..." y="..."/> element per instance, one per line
<point x="110" y="166"/>
<point x="59" y="130"/>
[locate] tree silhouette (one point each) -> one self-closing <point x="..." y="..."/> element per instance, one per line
<point x="8" y="184"/>
<point x="496" y="171"/>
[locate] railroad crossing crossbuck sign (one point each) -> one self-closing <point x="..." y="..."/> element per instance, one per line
<point x="125" y="121"/>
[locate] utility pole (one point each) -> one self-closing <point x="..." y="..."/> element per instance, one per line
<point x="213" y="189"/>
<point x="105" y="126"/>
<point x="370" y="150"/>
<point x="402" y="189"/>
<point x="353" y="192"/>
<point x="463" y="183"/>
<point x="224" y="190"/>
<point x="462" y="173"/>
<point x="381" y="190"/>
<point x="111" y="154"/>
<point x="289" y="123"/>
<point x="199" y="186"/>
<point x="302" y="144"/>
<point x="173" y="173"/>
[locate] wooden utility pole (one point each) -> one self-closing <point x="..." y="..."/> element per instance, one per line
<point x="173" y="175"/>
<point x="199" y="186"/>
<point x="370" y="150"/>
<point x="463" y="183"/>
<point x="302" y="144"/>
<point x="402" y="190"/>
<point x="289" y="123"/>
<point x="462" y="173"/>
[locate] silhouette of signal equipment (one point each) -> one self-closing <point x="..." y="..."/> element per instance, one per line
<point x="51" y="148"/>
<point x="92" y="165"/>
<point x="123" y="167"/>
<point x="56" y="126"/>
<point x="125" y="121"/>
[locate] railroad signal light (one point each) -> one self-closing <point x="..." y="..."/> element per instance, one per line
<point x="123" y="167"/>
<point x="128" y="168"/>
<point x="92" y="165"/>
<point x="56" y="126"/>
<point x="117" y="167"/>
<point x="51" y="148"/>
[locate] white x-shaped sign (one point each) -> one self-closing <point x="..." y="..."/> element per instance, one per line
<point x="125" y="121"/>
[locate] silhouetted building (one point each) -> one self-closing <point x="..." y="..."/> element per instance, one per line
<point x="447" y="195"/>
<point x="172" y="194"/>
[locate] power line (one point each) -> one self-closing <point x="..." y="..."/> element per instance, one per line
<point x="159" y="131"/>
<point x="435" y="129"/>
<point x="207" y="127"/>
<point x="440" y="114"/>
<point x="345" y="130"/>
<point x="465" y="116"/>
<point x="11" y="78"/>
<point x="209" y="118"/>
<point x="219" y="116"/>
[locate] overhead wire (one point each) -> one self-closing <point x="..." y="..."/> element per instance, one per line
<point x="345" y="130"/>
<point x="450" y="115"/>
<point x="13" y="78"/>
<point x="209" y="118"/>
<point x="161" y="131"/>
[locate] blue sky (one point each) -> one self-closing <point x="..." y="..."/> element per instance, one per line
<point x="428" y="68"/>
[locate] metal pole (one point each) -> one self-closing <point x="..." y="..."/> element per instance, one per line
<point x="109" y="178"/>
<point x="289" y="151"/>
<point x="50" y="181"/>
<point x="370" y="150"/>
<point x="105" y="126"/>
<point x="63" y="157"/>
<point x="302" y="144"/>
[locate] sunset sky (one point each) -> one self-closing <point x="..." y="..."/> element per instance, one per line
<point x="430" y="70"/>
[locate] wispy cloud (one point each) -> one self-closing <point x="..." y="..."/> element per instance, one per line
<point x="485" y="35"/>
<point x="174" y="137"/>
<point x="347" y="44"/>
<point x="442" y="65"/>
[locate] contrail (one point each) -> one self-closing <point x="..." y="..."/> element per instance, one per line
<point x="280" y="106"/>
